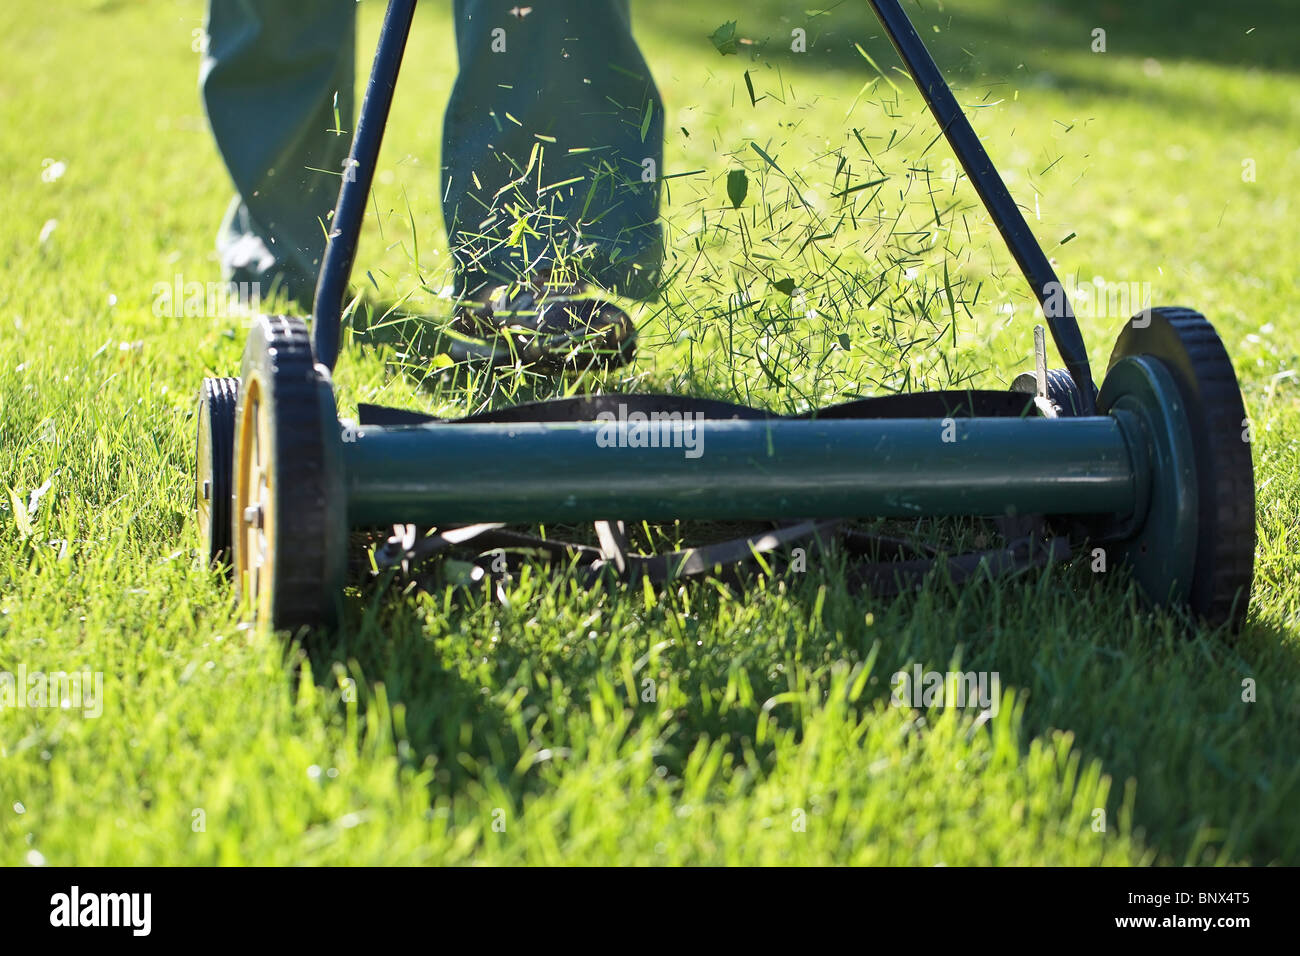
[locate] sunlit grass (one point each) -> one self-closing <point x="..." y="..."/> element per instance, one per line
<point x="447" y="727"/>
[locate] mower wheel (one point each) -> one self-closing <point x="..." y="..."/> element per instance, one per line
<point x="1061" y="390"/>
<point x="288" y="519"/>
<point x="1188" y="347"/>
<point x="213" y="467"/>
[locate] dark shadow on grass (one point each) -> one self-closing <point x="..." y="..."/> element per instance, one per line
<point x="1155" y="699"/>
<point x="1206" y="724"/>
<point x="995" y="50"/>
<point x="450" y="726"/>
<point x="1155" y="702"/>
<point x="980" y="40"/>
<point x="450" y="672"/>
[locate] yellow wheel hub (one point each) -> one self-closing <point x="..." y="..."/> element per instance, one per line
<point x="254" y="512"/>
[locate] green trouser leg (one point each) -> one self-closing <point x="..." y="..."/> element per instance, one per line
<point x="565" y="79"/>
<point x="269" y="81"/>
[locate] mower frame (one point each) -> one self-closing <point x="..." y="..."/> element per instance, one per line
<point x="1145" y="467"/>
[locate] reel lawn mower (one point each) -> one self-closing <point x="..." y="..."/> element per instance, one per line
<point x="1154" y="468"/>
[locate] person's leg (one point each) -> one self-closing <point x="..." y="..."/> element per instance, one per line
<point x="564" y="77"/>
<point x="270" y="79"/>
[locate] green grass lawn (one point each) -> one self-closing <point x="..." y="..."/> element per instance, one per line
<point x="448" y="728"/>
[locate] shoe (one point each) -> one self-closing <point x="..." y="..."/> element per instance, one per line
<point x="258" y="269"/>
<point x="254" y="275"/>
<point x="552" y="327"/>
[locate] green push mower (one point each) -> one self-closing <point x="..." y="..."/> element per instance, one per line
<point x="1155" y="468"/>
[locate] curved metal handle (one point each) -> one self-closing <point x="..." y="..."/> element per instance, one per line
<point x="358" y="176"/>
<point x="993" y="193"/>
